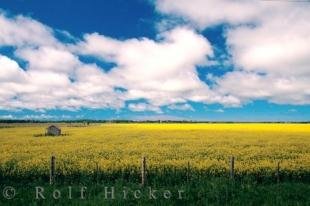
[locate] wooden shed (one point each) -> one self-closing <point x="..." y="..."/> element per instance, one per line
<point x="53" y="130"/>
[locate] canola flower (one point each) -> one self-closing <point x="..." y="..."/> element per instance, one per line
<point x="116" y="147"/>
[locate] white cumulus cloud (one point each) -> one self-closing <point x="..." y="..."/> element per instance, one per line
<point x="268" y="42"/>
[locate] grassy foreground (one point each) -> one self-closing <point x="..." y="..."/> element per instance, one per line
<point x="209" y="191"/>
<point x="191" y="157"/>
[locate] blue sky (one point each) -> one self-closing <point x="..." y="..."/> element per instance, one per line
<point x="163" y="59"/>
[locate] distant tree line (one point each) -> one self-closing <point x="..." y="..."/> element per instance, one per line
<point x="88" y="121"/>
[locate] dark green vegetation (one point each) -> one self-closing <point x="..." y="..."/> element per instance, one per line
<point x="196" y="189"/>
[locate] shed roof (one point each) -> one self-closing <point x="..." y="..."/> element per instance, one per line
<point x="53" y="126"/>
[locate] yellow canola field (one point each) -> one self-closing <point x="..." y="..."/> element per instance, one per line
<point x="113" y="147"/>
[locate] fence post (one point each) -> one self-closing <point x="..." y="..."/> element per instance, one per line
<point x="278" y="172"/>
<point x="52" y="170"/>
<point x="143" y="171"/>
<point x="97" y="173"/>
<point x="187" y="171"/>
<point x="232" y="167"/>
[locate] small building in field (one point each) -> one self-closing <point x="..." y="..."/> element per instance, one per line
<point x="53" y="130"/>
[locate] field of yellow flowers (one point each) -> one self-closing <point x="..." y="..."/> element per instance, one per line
<point x="110" y="148"/>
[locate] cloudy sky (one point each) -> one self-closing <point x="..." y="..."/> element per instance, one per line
<point x="242" y="60"/>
